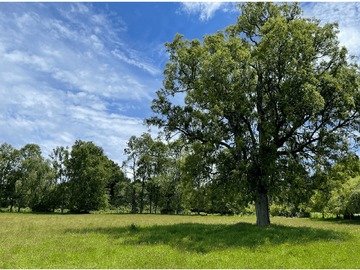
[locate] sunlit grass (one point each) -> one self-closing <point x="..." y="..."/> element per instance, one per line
<point x="160" y="241"/>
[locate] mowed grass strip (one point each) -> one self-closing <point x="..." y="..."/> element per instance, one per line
<point x="169" y="241"/>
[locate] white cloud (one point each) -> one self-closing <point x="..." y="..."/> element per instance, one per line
<point x="206" y="10"/>
<point x="135" y="61"/>
<point x="347" y="14"/>
<point x="60" y="80"/>
<point x="350" y="37"/>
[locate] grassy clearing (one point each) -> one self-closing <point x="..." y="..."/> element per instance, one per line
<point x="159" y="241"/>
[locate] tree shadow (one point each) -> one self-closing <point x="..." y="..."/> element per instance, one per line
<point x="204" y="238"/>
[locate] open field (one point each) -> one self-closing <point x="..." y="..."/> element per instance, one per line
<point x="164" y="241"/>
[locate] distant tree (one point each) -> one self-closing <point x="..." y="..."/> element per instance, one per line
<point x="59" y="161"/>
<point x="35" y="180"/>
<point x="345" y="200"/>
<point x="131" y="165"/>
<point x="123" y="194"/>
<point x="169" y="178"/>
<point x="294" y="194"/>
<point x="226" y="195"/>
<point x="9" y="174"/>
<point x="30" y="156"/>
<point x="274" y="89"/>
<point x="321" y="195"/>
<point x="146" y="160"/>
<point x="117" y="185"/>
<point x="353" y="202"/>
<point x="329" y="193"/>
<point x="144" y="172"/>
<point x="197" y="170"/>
<point x="211" y="181"/>
<point x="158" y="162"/>
<point x="42" y="187"/>
<point x="88" y="177"/>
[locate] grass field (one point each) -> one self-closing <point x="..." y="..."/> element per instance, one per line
<point x="161" y="241"/>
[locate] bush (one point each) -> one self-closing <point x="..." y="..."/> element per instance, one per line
<point x="282" y="210"/>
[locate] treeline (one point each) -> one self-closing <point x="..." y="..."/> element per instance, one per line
<point x="175" y="177"/>
<point x="165" y="177"/>
<point x="79" y="180"/>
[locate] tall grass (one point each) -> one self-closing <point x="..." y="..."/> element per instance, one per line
<point x="160" y="241"/>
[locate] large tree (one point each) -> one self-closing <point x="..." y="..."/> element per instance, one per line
<point x="275" y="89"/>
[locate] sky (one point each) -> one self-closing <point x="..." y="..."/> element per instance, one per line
<point x="89" y="71"/>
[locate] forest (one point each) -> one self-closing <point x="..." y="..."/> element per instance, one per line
<point x="260" y="118"/>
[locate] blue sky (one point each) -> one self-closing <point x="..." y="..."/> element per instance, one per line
<point x="89" y="71"/>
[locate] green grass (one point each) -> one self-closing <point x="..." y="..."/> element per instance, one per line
<point x="160" y="241"/>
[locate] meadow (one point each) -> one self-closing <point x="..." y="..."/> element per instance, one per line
<point x="174" y="241"/>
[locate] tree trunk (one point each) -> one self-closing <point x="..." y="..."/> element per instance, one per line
<point x="262" y="209"/>
<point x="142" y="194"/>
<point x="133" y="201"/>
<point x="62" y="204"/>
<point x="150" y="204"/>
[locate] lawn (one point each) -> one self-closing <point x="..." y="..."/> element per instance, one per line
<point x="165" y="241"/>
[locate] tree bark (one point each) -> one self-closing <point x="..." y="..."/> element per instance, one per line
<point x="262" y="209"/>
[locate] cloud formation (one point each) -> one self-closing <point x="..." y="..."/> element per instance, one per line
<point x="61" y="81"/>
<point x="206" y="10"/>
<point x="346" y="14"/>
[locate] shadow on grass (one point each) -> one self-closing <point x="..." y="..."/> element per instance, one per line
<point x="355" y="221"/>
<point x="204" y="238"/>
